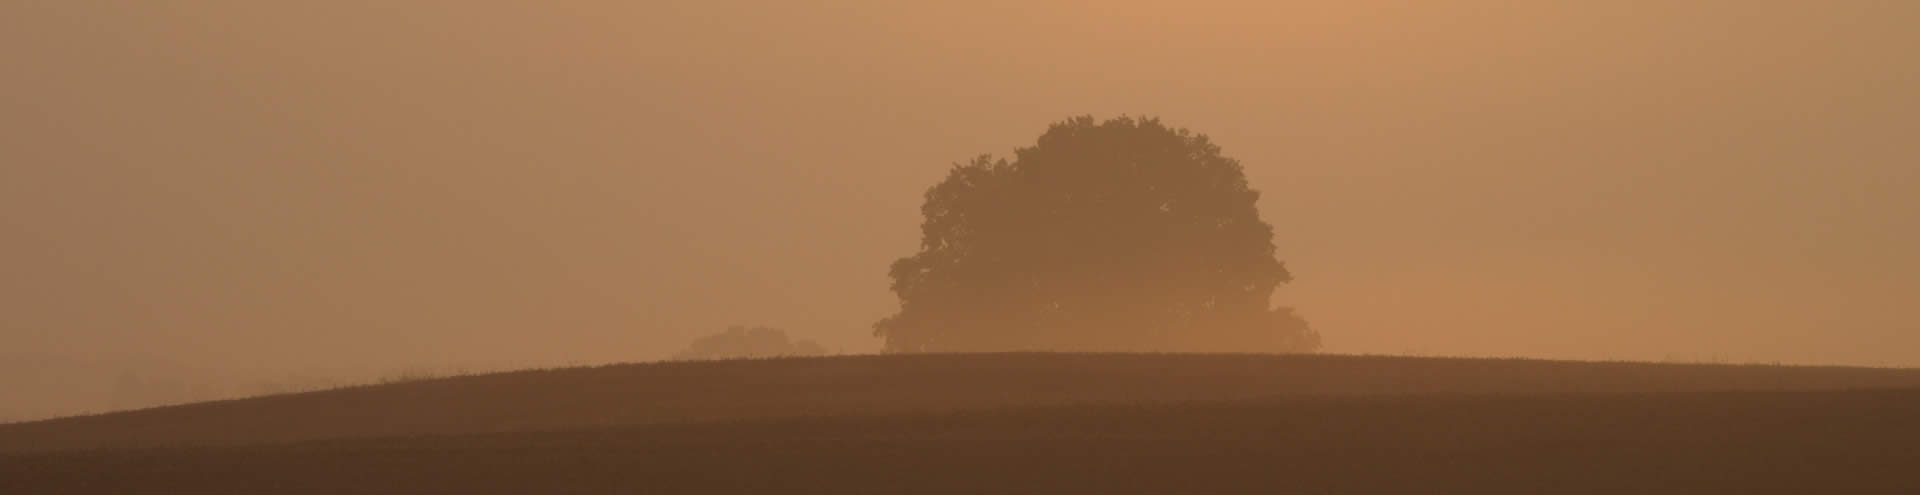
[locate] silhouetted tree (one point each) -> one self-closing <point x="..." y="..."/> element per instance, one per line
<point x="749" y="342"/>
<point x="1121" y="235"/>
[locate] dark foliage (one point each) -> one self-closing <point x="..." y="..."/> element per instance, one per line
<point x="1124" y="235"/>
<point x="740" y="342"/>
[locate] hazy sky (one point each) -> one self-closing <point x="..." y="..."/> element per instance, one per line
<point x="376" y="183"/>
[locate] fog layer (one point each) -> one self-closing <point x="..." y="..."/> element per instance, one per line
<point x="257" y="187"/>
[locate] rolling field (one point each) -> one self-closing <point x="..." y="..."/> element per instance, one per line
<point x="1056" y="423"/>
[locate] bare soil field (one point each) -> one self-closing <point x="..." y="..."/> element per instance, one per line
<point x="1056" y="423"/>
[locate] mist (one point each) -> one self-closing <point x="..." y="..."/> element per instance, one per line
<point x="251" y="190"/>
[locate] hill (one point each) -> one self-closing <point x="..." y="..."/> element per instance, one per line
<point x="1021" y="422"/>
<point x="674" y="392"/>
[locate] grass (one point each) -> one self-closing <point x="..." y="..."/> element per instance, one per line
<point x="1062" y="423"/>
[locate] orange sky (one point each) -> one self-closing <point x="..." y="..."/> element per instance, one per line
<point x="258" y="185"/>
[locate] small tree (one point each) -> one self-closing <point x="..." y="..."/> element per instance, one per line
<point x="739" y="342"/>
<point x="1121" y="235"/>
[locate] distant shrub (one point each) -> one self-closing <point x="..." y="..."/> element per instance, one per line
<point x="411" y="375"/>
<point x="739" y="342"/>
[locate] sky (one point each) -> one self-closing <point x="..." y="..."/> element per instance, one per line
<point x="255" y="188"/>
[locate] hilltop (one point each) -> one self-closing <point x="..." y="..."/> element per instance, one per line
<point x="707" y="391"/>
<point x="1038" y="423"/>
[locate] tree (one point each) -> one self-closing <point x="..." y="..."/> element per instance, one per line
<point x="1124" y="235"/>
<point x="739" y="342"/>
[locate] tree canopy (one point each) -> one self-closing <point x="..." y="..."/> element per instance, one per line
<point x="1123" y="235"/>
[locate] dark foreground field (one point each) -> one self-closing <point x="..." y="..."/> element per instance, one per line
<point x="1021" y="423"/>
